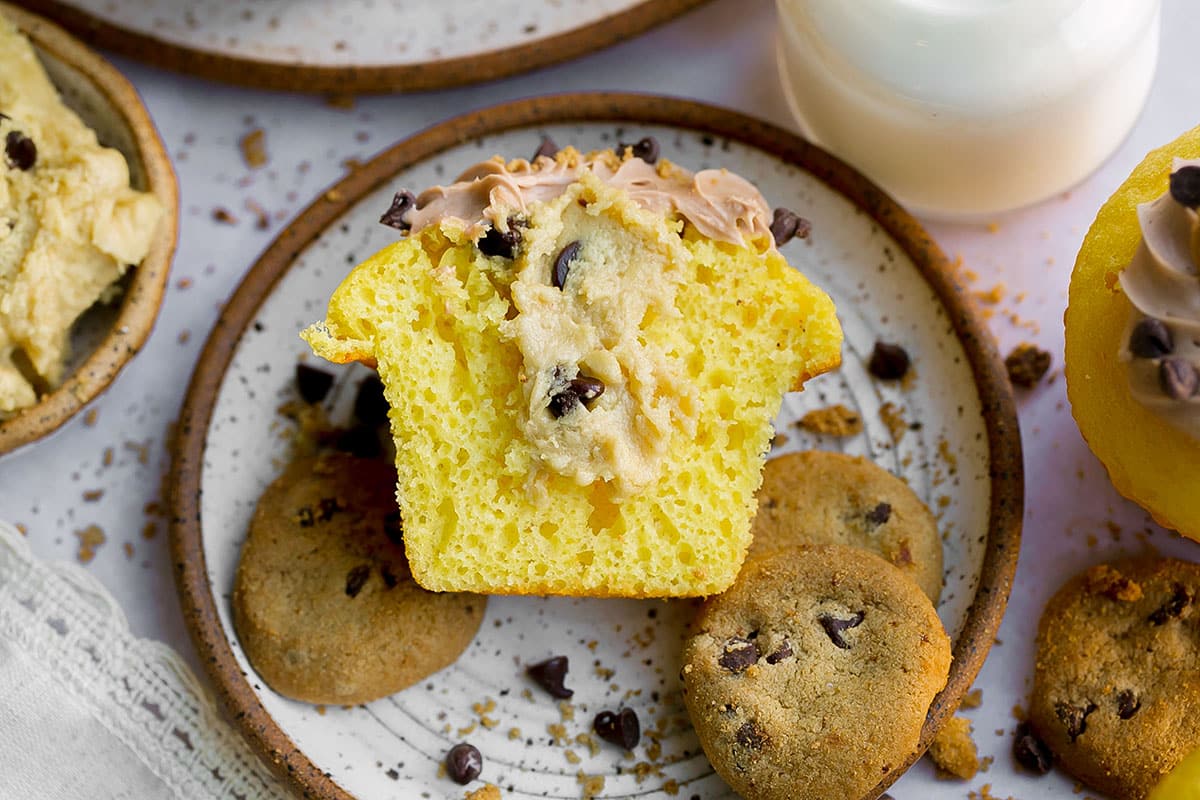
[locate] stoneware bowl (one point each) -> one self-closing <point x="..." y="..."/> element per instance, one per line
<point x="357" y="46"/>
<point x="950" y="431"/>
<point x="106" y="336"/>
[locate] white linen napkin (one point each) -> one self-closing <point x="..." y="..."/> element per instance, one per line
<point x="88" y="711"/>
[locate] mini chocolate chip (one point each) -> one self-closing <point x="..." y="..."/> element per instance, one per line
<point x="889" y="362"/>
<point x="879" y="514"/>
<point x="327" y="507"/>
<point x="738" y="654"/>
<point x="562" y="264"/>
<point x="500" y="243"/>
<point x="361" y="441"/>
<point x="356" y="579"/>
<point x="403" y="202"/>
<point x="305" y="517"/>
<point x="783" y="651"/>
<point x="787" y="225"/>
<point x="1128" y="704"/>
<point x="393" y="528"/>
<point x="621" y="728"/>
<point x="834" y="627"/>
<point x="1073" y="718"/>
<point x="1178" y="378"/>
<point x="547" y="148"/>
<point x="464" y="762"/>
<point x="312" y="383"/>
<point x="370" y="406"/>
<point x="646" y="149"/>
<point x="581" y="389"/>
<point x="20" y="150"/>
<point x="1174" y="608"/>
<point x="550" y="674"/>
<point x="750" y="736"/>
<point x="1030" y="751"/>
<point x="389" y="578"/>
<point x="1185" y="186"/>
<point x="1151" y="338"/>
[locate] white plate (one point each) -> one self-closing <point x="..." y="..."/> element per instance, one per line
<point x="393" y="747"/>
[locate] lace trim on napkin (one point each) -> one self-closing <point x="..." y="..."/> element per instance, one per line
<point x="140" y="690"/>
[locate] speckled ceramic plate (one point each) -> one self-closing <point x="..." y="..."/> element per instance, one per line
<point x="108" y="335"/>
<point x="357" y="46"/>
<point x="957" y="446"/>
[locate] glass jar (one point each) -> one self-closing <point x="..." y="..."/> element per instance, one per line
<point x="965" y="108"/>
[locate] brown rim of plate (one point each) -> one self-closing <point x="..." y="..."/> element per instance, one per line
<point x="374" y="79"/>
<point x="143" y="296"/>
<point x="999" y="409"/>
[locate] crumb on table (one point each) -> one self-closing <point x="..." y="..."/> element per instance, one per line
<point x="1026" y="364"/>
<point x="953" y="750"/>
<point x="835" y="420"/>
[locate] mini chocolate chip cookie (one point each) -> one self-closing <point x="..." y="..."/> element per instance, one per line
<point x="1116" y="691"/>
<point x="810" y="678"/>
<point x="323" y="602"/>
<point x="818" y="497"/>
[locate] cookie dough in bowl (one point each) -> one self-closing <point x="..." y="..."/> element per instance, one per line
<point x="87" y="205"/>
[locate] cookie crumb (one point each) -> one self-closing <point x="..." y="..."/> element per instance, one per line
<point x="779" y="440"/>
<point x="972" y="699"/>
<point x="953" y="750"/>
<point x="1026" y="364"/>
<point x="835" y="420"/>
<point x="590" y="785"/>
<point x="254" y="148"/>
<point x="488" y="791"/>
<point x="90" y="538"/>
<point x="222" y="215"/>
<point x="893" y="417"/>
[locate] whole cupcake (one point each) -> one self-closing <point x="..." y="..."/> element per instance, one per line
<point x="1133" y="335"/>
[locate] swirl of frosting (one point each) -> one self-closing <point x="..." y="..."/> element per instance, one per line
<point x="721" y="205"/>
<point x="1161" y="346"/>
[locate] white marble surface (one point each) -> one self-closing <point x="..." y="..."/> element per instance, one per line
<point x="721" y="53"/>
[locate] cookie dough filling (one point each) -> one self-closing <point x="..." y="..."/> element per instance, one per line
<point x="1162" y="344"/>
<point x="596" y="252"/>
<point x="70" y="225"/>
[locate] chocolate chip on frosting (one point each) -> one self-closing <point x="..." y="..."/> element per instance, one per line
<point x="580" y="390"/>
<point x="646" y="149"/>
<point x="835" y="626"/>
<point x="787" y="225"/>
<point x="403" y="202"/>
<point x="562" y="264"/>
<point x="1151" y="338"/>
<point x="547" y="148"/>
<point x="1178" y="378"/>
<point x="1185" y="186"/>
<point x="20" y="151"/>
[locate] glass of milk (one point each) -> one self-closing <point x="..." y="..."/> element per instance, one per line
<point x="965" y="108"/>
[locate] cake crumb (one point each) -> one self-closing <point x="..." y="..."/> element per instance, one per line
<point x="972" y="699"/>
<point x="993" y="295"/>
<point x="92" y="495"/>
<point x="779" y="440"/>
<point x="835" y="420"/>
<point x="488" y="791"/>
<point x="344" y="102"/>
<point x="514" y="734"/>
<point x="590" y="785"/>
<point x="222" y="215"/>
<point x="254" y="148"/>
<point x="953" y="750"/>
<point x="90" y="538"/>
<point x="90" y="417"/>
<point x="128" y="548"/>
<point x="1026" y="364"/>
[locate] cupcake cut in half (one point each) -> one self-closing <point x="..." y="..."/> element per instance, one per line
<point x="583" y="356"/>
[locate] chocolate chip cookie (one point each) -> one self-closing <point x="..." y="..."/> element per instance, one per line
<point x="323" y="601"/>
<point x="1116" y="690"/>
<point x="811" y="676"/>
<point x="818" y="497"/>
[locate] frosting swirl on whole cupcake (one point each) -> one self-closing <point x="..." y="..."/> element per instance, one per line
<point x="1162" y="343"/>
